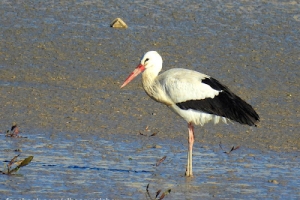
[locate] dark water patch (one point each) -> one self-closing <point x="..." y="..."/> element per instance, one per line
<point x="113" y="170"/>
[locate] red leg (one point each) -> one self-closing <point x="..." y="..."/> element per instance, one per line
<point x="191" y="139"/>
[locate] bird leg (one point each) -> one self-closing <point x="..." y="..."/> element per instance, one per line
<point x="189" y="167"/>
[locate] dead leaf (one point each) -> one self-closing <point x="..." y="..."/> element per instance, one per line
<point x="161" y="160"/>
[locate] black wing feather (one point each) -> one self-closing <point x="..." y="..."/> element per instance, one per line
<point x="225" y="104"/>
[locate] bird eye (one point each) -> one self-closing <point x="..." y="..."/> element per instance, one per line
<point x="146" y="60"/>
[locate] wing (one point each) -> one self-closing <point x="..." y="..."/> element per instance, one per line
<point x="183" y="85"/>
<point x="192" y="90"/>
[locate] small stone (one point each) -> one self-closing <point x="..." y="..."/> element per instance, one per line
<point x="118" y="23"/>
<point x="156" y="146"/>
<point x="273" y="181"/>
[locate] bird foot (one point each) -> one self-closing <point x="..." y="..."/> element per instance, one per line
<point x="188" y="174"/>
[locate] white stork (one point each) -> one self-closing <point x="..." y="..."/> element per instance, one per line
<point x="195" y="97"/>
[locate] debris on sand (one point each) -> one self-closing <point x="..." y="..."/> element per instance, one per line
<point x="273" y="181"/>
<point x="14" y="131"/>
<point x="148" y="130"/>
<point x="118" y="23"/>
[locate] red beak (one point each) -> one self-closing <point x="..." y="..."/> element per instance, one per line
<point x="140" y="68"/>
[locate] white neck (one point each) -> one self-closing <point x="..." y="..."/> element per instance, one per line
<point x="149" y="76"/>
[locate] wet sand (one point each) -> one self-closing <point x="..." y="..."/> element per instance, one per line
<point x="60" y="76"/>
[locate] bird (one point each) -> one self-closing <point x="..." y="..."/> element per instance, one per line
<point x="196" y="97"/>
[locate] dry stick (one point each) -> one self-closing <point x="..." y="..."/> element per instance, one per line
<point x="157" y="193"/>
<point x="153" y="134"/>
<point x="161" y="160"/>
<point x="163" y="195"/>
<point x="148" y="191"/>
<point x="232" y="149"/>
<point x="12" y="161"/>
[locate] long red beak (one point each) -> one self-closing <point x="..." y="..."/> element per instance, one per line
<point x="140" y="68"/>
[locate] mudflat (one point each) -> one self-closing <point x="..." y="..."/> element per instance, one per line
<point x="60" y="74"/>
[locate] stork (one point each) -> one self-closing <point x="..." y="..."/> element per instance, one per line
<point x="196" y="97"/>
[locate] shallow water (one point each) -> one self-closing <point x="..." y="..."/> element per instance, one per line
<point x="74" y="166"/>
<point x="62" y="66"/>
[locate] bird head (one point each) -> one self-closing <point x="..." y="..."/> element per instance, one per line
<point x="151" y="61"/>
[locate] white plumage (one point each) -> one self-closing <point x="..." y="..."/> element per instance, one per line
<point x="182" y="84"/>
<point x="180" y="88"/>
<point x="197" y="117"/>
<point x="196" y="97"/>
